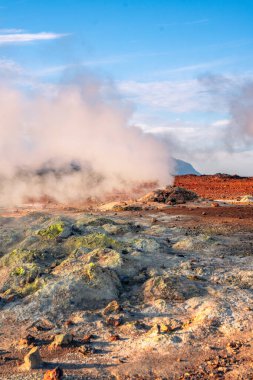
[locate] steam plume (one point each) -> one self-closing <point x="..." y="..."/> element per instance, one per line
<point x="241" y="109"/>
<point x="72" y="143"/>
<point x="235" y="96"/>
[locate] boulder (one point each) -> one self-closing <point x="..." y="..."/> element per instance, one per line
<point x="171" y="288"/>
<point x="170" y="195"/>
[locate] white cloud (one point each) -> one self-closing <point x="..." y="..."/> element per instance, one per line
<point x="195" y="67"/>
<point x="100" y="61"/>
<point x="221" y="123"/>
<point x="205" y="146"/>
<point x="28" y="37"/>
<point x="7" y="65"/>
<point x="225" y="162"/>
<point x="189" y="140"/>
<point x="175" y="96"/>
<point x="52" y="70"/>
<point x="191" y="137"/>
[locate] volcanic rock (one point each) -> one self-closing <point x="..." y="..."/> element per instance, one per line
<point x="171" y="288"/>
<point x="170" y="195"/>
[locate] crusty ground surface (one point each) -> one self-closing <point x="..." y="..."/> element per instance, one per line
<point x="214" y="338"/>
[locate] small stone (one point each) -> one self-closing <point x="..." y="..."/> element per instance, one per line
<point x="114" y="337"/>
<point x="54" y="374"/>
<point x="32" y="360"/>
<point x="62" y="340"/>
<point x="112" y="307"/>
<point x="115" y="322"/>
<point x="27" y="341"/>
<point x="43" y="325"/>
<point x="11" y="298"/>
<point x="69" y="323"/>
<point x="215" y="204"/>
<point x="122" y="360"/>
<point x="86" y="350"/>
<point x="87" y="338"/>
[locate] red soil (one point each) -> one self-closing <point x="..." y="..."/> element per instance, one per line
<point x="216" y="186"/>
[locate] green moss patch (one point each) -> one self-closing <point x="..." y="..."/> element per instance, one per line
<point x="23" y="280"/>
<point x="52" y="231"/>
<point x="17" y="257"/>
<point x="93" y="241"/>
<point x="22" y="291"/>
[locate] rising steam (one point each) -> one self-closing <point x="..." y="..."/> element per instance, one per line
<point x="73" y="142"/>
<point x="234" y="96"/>
<point x="241" y="109"/>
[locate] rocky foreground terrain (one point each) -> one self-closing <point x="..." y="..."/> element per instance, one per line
<point x="154" y="289"/>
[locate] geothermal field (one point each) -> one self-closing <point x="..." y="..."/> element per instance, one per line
<point x="153" y="287"/>
<point x="126" y="190"/>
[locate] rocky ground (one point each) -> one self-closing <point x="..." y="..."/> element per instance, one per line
<point x="219" y="186"/>
<point x="133" y="290"/>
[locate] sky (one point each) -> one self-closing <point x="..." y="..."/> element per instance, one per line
<point x="171" y="59"/>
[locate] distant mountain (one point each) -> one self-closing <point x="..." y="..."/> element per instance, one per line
<point x="182" y="167"/>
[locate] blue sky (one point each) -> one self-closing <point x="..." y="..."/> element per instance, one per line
<point x="155" y="52"/>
